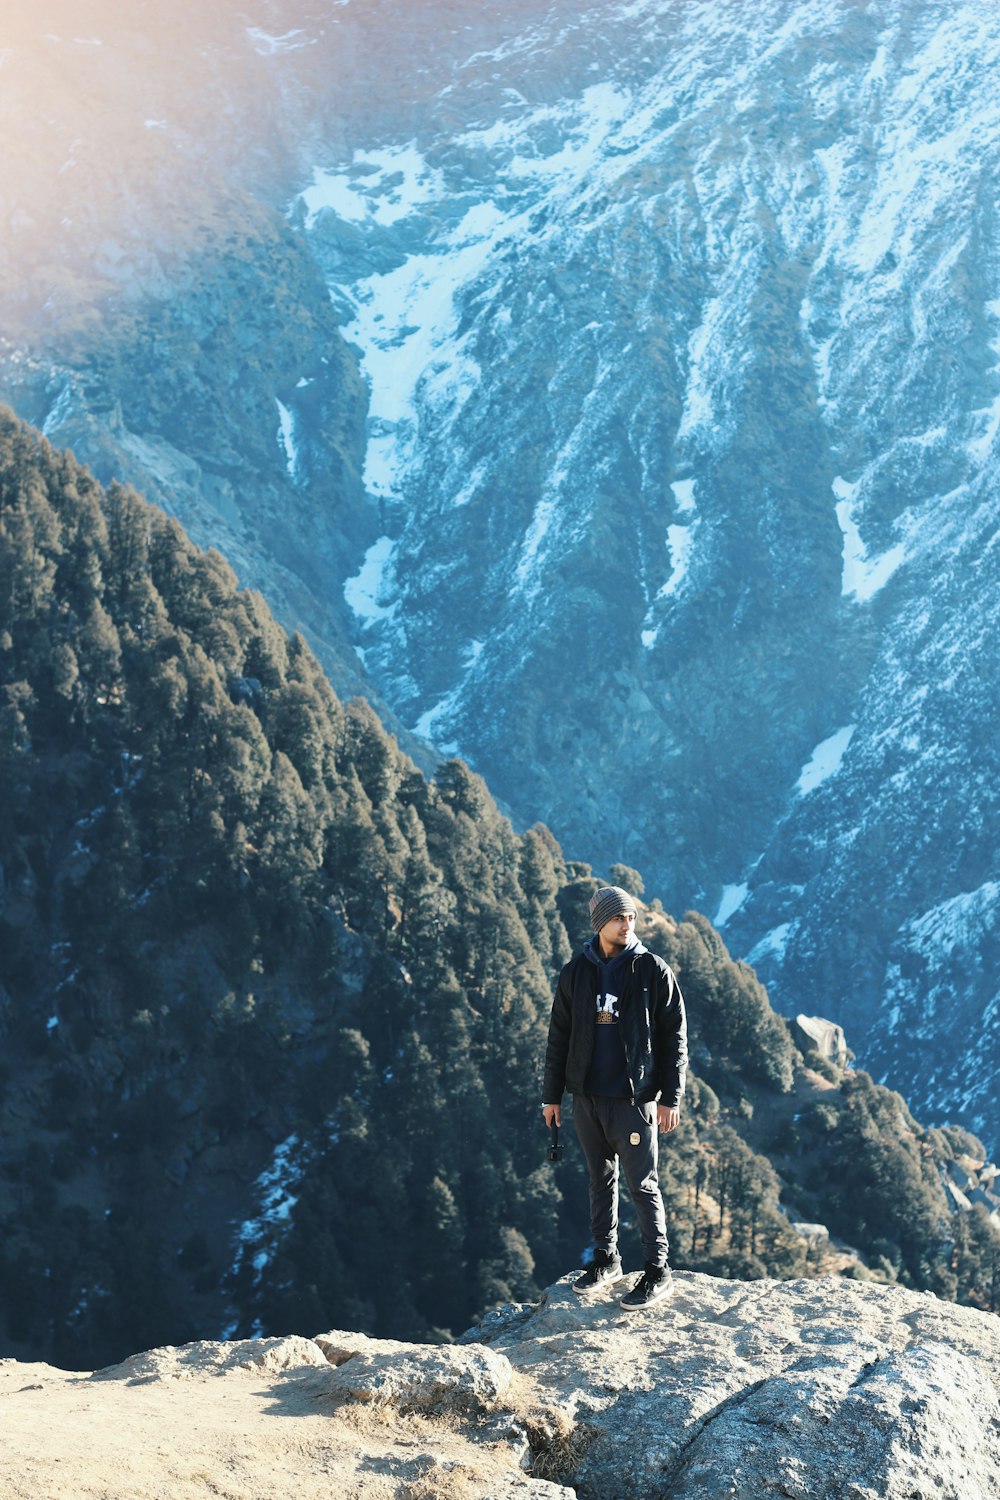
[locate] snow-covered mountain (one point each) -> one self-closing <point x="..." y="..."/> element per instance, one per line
<point x="681" y="328"/>
<point x="685" y="405"/>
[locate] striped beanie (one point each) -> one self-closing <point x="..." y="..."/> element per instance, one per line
<point x="610" y="901"/>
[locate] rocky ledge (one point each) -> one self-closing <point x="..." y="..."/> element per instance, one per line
<point x="798" y="1389"/>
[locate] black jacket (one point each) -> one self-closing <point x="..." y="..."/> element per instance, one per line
<point x="653" y="1029"/>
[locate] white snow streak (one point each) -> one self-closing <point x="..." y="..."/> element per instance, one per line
<point x="380" y="187"/>
<point x="956" y="923"/>
<point x="980" y="448"/>
<point x="362" y="591"/>
<point x="825" y="761"/>
<point x="733" y="897"/>
<point x="863" y="576"/>
<point x="679" y="544"/>
<point x="266" y="45"/>
<point x="551" y="511"/>
<point x="286" y="437"/>
<point x="425" y="725"/>
<point x="706" y="353"/>
<point x="406" y="326"/>
<point x="773" y="943"/>
<point x="684" y="494"/>
<point x="275" y="1193"/>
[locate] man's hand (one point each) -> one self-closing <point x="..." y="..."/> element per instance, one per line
<point x="552" y="1112"/>
<point x="667" y="1119"/>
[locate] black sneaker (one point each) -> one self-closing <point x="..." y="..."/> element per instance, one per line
<point x="653" y="1285"/>
<point x="603" y="1271"/>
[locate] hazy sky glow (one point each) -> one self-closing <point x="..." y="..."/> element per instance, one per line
<point x="136" y="129"/>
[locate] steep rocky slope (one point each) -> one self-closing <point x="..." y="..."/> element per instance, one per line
<point x="265" y="990"/>
<point x="187" y="394"/>
<point x="797" y="1389"/>
<point x="684" y="373"/>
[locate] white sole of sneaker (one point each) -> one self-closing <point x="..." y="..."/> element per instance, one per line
<point x="644" y="1306"/>
<point x="591" y="1291"/>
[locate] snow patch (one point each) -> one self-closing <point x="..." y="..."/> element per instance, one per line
<point x="876" y="73"/>
<point x="286" y="437"/>
<point x="275" y="1191"/>
<point x="551" y="514"/>
<point x="601" y="108"/>
<point x="773" y="943"/>
<point x="534" y="537"/>
<point x="679" y="544"/>
<point x="405" y="323"/>
<point x="957" y="923"/>
<point x="362" y="591"/>
<point x="698" y="410"/>
<point x="684" y="494"/>
<point x="862" y="576"/>
<point x="825" y="761"/>
<point x="275" y="1185"/>
<point x="471" y="485"/>
<point x="733" y="897"/>
<point x="425" y="725"/>
<point x="979" y="448"/>
<point x="381" y="187"/>
<point x="61" y="410"/>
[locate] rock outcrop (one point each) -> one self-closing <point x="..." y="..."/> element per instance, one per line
<point x="799" y="1389"/>
<point x="823" y="1036"/>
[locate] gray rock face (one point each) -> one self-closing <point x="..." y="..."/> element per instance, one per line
<point x="825" y="1036"/>
<point x="692" y="488"/>
<point x="795" y="1389"/>
<point x="761" y="1390"/>
<point x="910" y="1417"/>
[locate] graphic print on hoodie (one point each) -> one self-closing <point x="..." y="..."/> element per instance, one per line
<point x="608" y="1071"/>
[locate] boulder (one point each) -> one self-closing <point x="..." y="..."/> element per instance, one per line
<point x="814" y="1235"/>
<point x="828" y="1387"/>
<point x="434" y="1375"/>
<point x="816" y="1034"/>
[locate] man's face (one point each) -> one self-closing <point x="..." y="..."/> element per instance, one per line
<point x="616" y="933"/>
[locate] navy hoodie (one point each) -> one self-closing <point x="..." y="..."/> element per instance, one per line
<point x="608" y="1071"/>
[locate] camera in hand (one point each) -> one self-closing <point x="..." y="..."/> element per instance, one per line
<point x="556" y="1147"/>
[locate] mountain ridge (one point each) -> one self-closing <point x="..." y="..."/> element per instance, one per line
<point x="680" y="325"/>
<point x="254" y="966"/>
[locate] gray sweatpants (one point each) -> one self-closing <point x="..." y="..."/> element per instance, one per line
<point x="606" y="1128"/>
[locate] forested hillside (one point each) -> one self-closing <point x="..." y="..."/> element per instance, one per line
<point x="272" y="1004"/>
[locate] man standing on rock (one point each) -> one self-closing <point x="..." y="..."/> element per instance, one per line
<point x="618" y="1042"/>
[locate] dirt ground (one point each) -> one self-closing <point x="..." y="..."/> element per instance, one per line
<point x="240" y="1435"/>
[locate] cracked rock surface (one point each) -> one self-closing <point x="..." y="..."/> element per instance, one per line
<point x="801" y="1389"/>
